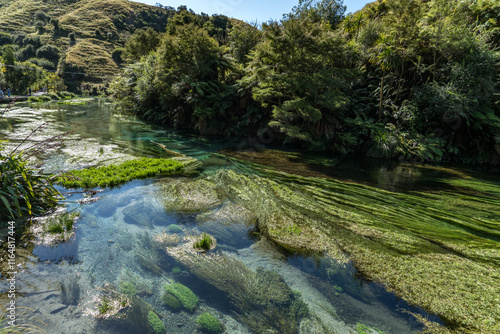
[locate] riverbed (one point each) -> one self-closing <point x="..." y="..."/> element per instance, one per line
<point x="346" y="245"/>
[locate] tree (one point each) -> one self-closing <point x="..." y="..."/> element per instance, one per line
<point x="299" y="72"/>
<point x="142" y="42"/>
<point x="330" y="11"/>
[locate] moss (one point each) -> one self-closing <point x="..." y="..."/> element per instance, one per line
<point x="176" y="270"/>
<point x="173" y="228"/>
<point x="209" y="323"/>
<point x="171" y="301"/>
<point x="155" y="324"/>
<point x="127" y="288"/>
<point x="111" y="176"/>
<point x="186" y="297"/>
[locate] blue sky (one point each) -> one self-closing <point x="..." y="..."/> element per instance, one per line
<point x="246" y="10"/>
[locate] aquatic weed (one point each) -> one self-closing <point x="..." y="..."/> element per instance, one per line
<point x="209" y="323"/>
<point x="115" y="175"/>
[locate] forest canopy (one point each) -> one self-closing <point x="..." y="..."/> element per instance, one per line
<point x="407" y="79"/>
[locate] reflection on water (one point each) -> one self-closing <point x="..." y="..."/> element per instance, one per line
<point x="133" y="237"/>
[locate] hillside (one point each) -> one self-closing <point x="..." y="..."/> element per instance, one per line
<point x="82" y="35"/>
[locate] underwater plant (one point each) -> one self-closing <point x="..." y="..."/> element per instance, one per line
<point x="205" y="243"/>
<point x="209" y="323"/>
<point x="183" y="294"/>
<point x="127" y="288"/>
<point x="61" y="223"/>
<point x="155" y="324"/>
<point x="174" y="228"/>
<point x="115" y="175"/>
<point x="171" y="301"/>
<point x="261" y="299"/>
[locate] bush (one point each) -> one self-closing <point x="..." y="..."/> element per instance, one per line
<point x="23" y="192"/>
<point x="183" y="294"/>
<point x="25" y="53"/>
<point x="209" y="323"/>
<point x="44" y="63"/>
<point x="48" y="52"/>
<point x="117" y="55"/>
<point x="5" y="38"/>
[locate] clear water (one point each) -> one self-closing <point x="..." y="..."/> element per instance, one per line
<point x="57" y="283"/>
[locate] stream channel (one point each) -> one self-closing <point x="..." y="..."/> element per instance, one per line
<point x="118" y="237"/>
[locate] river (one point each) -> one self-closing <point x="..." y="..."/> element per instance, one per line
<point x="259" y="278"/>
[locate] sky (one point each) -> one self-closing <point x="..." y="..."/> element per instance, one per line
<point x="246" y="10"/>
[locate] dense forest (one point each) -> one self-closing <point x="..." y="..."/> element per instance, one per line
<point x="407" y="79"/>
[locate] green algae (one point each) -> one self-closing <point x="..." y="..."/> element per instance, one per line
<point x="115" y="175"/>
<point x="261" y="299"/>
<point x="441" y="259"/>
<point x="155" y="324"/>
<point x="183" y="294"/>
<point x="209" y="323"/>
<point x="195" y="196"/>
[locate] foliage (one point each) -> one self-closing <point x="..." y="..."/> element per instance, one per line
<point x="114" y="175"/>
<point x="300" y="73"/>
<point x="142" y="42"/>
<point x="183" y="294"/>
<point x="23" y="191"/>
<point x="209" y="323"/>
<point x="399" y="79"/>
<point x="155" y="324"/>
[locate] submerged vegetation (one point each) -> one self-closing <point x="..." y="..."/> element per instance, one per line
<point x="402" y="79"/>
<point x="209" y="324"/>
<point x="205" y="243"/>
<point x="185" y="297"/>
<point x="434" y="242"/>
<point x="115" y="175"/>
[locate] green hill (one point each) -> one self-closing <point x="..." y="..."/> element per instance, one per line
<point x="82" y="35"/>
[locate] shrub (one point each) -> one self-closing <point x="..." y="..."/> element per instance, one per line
<point x="48" y="52"/>
<point x="117" y="55"/>
<point x="184" y="295"/>
<point x="155" y="324"/>
<point x="42" y="62"/>
<point x="5" y="38"/>
<point x="209" y="323"/>
<point x="23" y="192"/>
